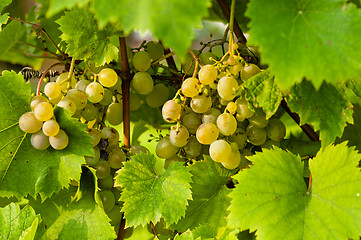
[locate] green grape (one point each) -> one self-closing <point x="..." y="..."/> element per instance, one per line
<point x="193" y="147"/>
<point x="243" y="111"/>
<point x="115" y="216"/>
<point x="245" y="153"/>
<point x="142" y="61"/>
<point x="136" y="149"/>
<point x="170" y="111"/>
<point x="39" y="140"/>
<point x="68" y="105"/>
<point x="207" y="133"/>
<point x="102" y="169"/>
<point x="211" y="115"/>
<point x="190" y="87"/>
<point x="249" y="71"/>
<point x="91" y="161"/>
<point x="114" y="113"/>
<point x="205" y="58"/>
<point x="172" y="159"/>
<point x="236" y="68"/>
<point x="255" y="135"/>
<point x="52" y="90"/>
<point x="207" y="74"/>
<point x="60" y="140"/>
<point x="179" y="136"/>
<point x="95" y="134"/>
<point x="43" y="111"/>
<point x="78" y="97"/>
<point x="239" y="137"/>
<point x="55" y="101"/>
<point x="95" y="92"/>
<point x="117" y="192"/>
<point x="108" y="200"/>
<point x="142" y="82"/>
<point x="234" y="158"/>
<point x="110" y="134"/>
<point x="118" y="86"/>
<point x="82" y="84"/>
<point x="258" y="119"/>
<point x="134" y="102"/>
<point x="276" y="130"/>
<point x="191" y="121"/>
<point x="116" y="158"/>
<point x="106" y="183"/>
<point x="29" y="123"/>
<point x="66" y="84"/>
<point x="51" y="128"/>
<point x="108" y="77"/>
<point x="226" y="124"/>
<point x="155" y="50"/>
<point x="158" y="96"/>
<point x="220" y="150"/>
<point x="107" y="97"/>
<point x="231" y="107"/>
<point x="201" y="103"/>
<point x="227" y="87"/>
<point x="165" y="149"/>
<point x="36" y="100"/>
<point x="90" y="112"/>
<point x="223" y="102"/>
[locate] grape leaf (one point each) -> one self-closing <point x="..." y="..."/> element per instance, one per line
<point x="326" y="110"/>
<point x="206" y="232"/>
<point x="209" y="193"/>
<point x="272" y="196"/>
<point x="85" y="41"/>
<point x="147" y="196"/>
<point x="263" y="92"/>
<point x="307" y="39"/>
<point x="355" y="85"/>
<point x="352" y="131"/>
<point x="56" y="6"/>
<point x="83" y="218"/>
<point x="23" y="169"/>
<point x="171" y="21"/>
<point x="4" y="17"/>
<point x="16" y="223"/>
<point x="10" y="35"/>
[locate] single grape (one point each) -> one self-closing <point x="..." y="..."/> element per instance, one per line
<point x="116" y="158"/>
<point x="207" y="133"/>
<point x="114" y="113"/>
<point x="102" y="169"/>
<point x="191" y="121"/>
<point x="108" y="77"/>
<point x="231" y="107"/>
<point x="136" y="149"/>
<point x="92" y="160"/>
<point x="239" y="137"/>
<point x="207" y="74"/>
<point x="115" y="216"/>
<point x="158" y="96"/>
<point x="220" y="150"/>
<point x="95" y="92"/>
<point x="39" y="140"/>
<point x="243" y="110"/>
<point x="29" y="123"/>
<point x="51" y="128"/>
<point x="205" y="58"/>
<point x="60" y="140"/>
<point x="55" y="101"/>
<point x="169" y="161"/>
<point x="111" y="134"/>
<point x="52" y="90"/>
<point x="95" y="134"/>
<point x="236" y="68"/>
<point x="258" y="119"/>
<point x="78" y="97"/>
<point x="108" y="200"/>
<point x="234" y="158"/>
<point x="193" y="148"/>
<point x="179" y="136"/>
<point x="227" y="87"/>
<point x="82" y="84"/>
<point x="43" y="111"/>
<point x="190" y="87"/>
<point x="201" y="103"/>
<point x="276" y="130"/>
<point x="68" y="105"/>
<point x="107" y="97"/>
<point x="118" y="86"/>
<point x="142" y="61"/>
<point x="155" y="50"/>
<point x="165" y="149"/>
<point x="142" y="82"/>
<point x="249" y="71"/>
<point x="256" y="136"/>
<point x="211" y="115"/>
<point x="170" y="111"/>
<point x="106" y="183"/>
<point x="90" y="112"/>
<point x="226" y="124"/>
<point x="64" y="82"/>
<point x="36" y="100"/>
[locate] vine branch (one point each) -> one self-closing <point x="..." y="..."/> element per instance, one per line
<point x="43" y="76"/>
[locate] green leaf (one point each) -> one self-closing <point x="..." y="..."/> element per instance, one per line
<point x="171" y="21"/>
<point x="352" y="131"/>
<point x="82" y="218"/>
<point x="272" y="198"/>
<point x="138" y="129"/>
<point x="307" y="39"/>
<point x="209" y="193"/>
<point x="206" y="232"/>
<point x="10" y="35"/>
<point x="56" y="6"/>
<point x="16" y="223"/>
<point x="355" y="85"/>
<point x="23" y="169"/>
<point x="85" y="41"/>
<point x="263" y="92"/>
<point x="147" y="196"/>
<point x="327" y="109"/>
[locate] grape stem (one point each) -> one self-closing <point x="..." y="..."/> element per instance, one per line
<point x="43" y="76"/>
<point x="162" y="58"/>
<point x="196" y="64"/>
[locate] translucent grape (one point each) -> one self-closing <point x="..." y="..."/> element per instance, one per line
<point x="243" y="110"/>
<point x="170" y="111"/>
<point x="201" y="103"/>
<point x="29" y="123"/>
<point x="155" y="50"/>
<point x="51" y="128"/>
<point x="60" y="140"/>
<point x="226" y="124"/>
<point x="134" y="102"/>
<point x="142" y="61"/>
<point x="55" y="101"/>
<point x="68" y="105"/>
<point x="114" y="113"/>
<point x="158" y="96"/>
<point x="82" y="84"/>
<point x="220" y="150"/>
<point x="193" y="148"/>
<point x="78" y="97"/>
<point x="239" y="137"/>
<point x="179" y="136"/>
<point x="43" y="111"/>
<point x="142" y="82"/>
<point x="90" y="112"/>
<point x="190" y="87"/>
<point x="52" y="90"/>
<point x="191" y="121"/>
<point x="108" y="200"/>
<point x="249" y="71"/>
<point x="108" y="77"/>
<point x="211" y="115"/>
<point x="136" y="149"/>
<point x="165" y="149"/>
<point x="227" y="86"/>
<point x="276" y="130"/>
<point x="39" y="140"/>
<point x="205" y="58"/>
<point x="207" y="133"/>
<point x="231" y="107"/>
<point x="111" y="134"/>
<point x="95" y="134"/>
<point x="207" y="74"/>
<point x="106" y="183"/>
<point x="116" y="158"/>
<point x="256" y="136"/>
<point x="91" y="161"/>
<point x="36" y="100"/>
<point x="234" y="158"/>
<point x="107" y="97"/>
<point x="65" y="83"/>
<point x="102" y="169"/>
<point x="95" y="92"/>
<point x="258" y="119"/>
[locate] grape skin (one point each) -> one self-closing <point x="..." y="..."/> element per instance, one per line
<point x="201" y="103"/>
<point x="179" y="136"/>
<point x="114" y="113"/>
<point x="29" y="123"/>
<point x="207" y="74"/>
<point x="39" y="140"/>
<point x="60" y="140"/>
<point x="52" y="90"/>
<point x="276" y="130"/>
<point x="219" y="150"/>
<point x="36" y="100"/>
<point x="142" y="83"/>
<point x="142" y="61"/>
<point x="165" y="149"/>
<point x="207" y="133"/>
<point x="158" y="96"/>
<point x="256" y="136"/>
<point x="170" y="111"/>
<point x="108" y="77"/>
<point x="51" y="128"/>
<point x="190" y="87"/>
<point x="43" y="111"/>
<point x="68" y="105"/>
<point x="95" y="92"/>
<point x="116" y="158"/>
<point x="227" y="124"/>
<point x="226" y="87"/>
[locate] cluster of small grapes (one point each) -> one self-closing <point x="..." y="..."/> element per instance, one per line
<point x="213" y="117"/>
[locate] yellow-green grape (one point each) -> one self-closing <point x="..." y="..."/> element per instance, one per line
<point x="111" y="134"/>
<point x="234" y="158"/>
<point x="201" y="103"/>
<point x="191" y="121"/>
<point x="243" y="111"/>
<point x="115" y="215"/>
<point x="29" y="123"/>
<point x="95" y="92"/>
<point x="52" y="90"/>
<point x="172" y="159"/>
<point x="276" y="130"/>
<point x="78" y="97"/>
<point x="227" y="87"/>
<point x="106" y="183"/>
<point x="255" y="135"/>
<point x="179" y="136"/>
<point x="107" y="97"/>
<point x="108" y="77"/>
<point x="226" y="124"/>
<point x="258" y="119"/>
<point x="90" y="112"/>
<point x="207" y="133"/>
<point x="158" y="96"/>
<point x="211" y="115"/>
<point x="136" y="149"/>
<point x="36" y="100"/>
<point x="170" y="111"/>
<point x="142" y="61"/>
<point x="39" y="140"/>
<point x="165" y="149"/>
<point x="68" y="105"/>
<point x="155" y="50"/>
<point x="55" y="101"/>
<point x="102" y="169"/>
<point x="114" y="113"/>
<point x="207" y="74"/>
<point x="190" y="87"/>
<point x="239" y="137"/>
<point x="51" y="128"/>
<point x="60" y="140"/>
<point x="232" y="107"/>
<point x="65" y="83"/>
<point x="236" y="68"/>
<point x="205" y="58"/>
<point x="43" y="111"/>
<point x="220" y="150"/>
<point x="142" y="82"/>
<point x="249" y="71"/>
<point x="108" y="200"/>
<point x="95" y="134"/>
<point x="82" y="84"/>
<point x="116" y="158"/>
<point x="193" y="148"/>
<point x="134" y="102"/>
<point x="91" y="161"/>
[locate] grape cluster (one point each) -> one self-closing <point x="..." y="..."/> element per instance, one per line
<point x="212" y="116"/>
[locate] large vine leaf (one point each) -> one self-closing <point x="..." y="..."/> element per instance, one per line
<point x="10" y="35"/>
<point x="272" y="198"/>
<point x="209" y="193"/>
<point x="83" y="218"/>
<point x="18" y="223"/>
<point x="355" y="85"/>
<point x="171" y="21"/>
<point x="85" y="40"/>
<point x="327" y="109"/>
<point x="56" y="6"/>
<point x="352" y="131"/>
<point x="206" y="232"/>
<point x="147" y="195"/>
<point x="263" y="92"/>
<point x="307" y="39"/>
<point x="23" y="169"/>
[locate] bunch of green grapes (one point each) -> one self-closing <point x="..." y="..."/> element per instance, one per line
<point x="211" y="116"/>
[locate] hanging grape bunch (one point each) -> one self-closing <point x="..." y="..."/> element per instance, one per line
<point x="212" y="116"/>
